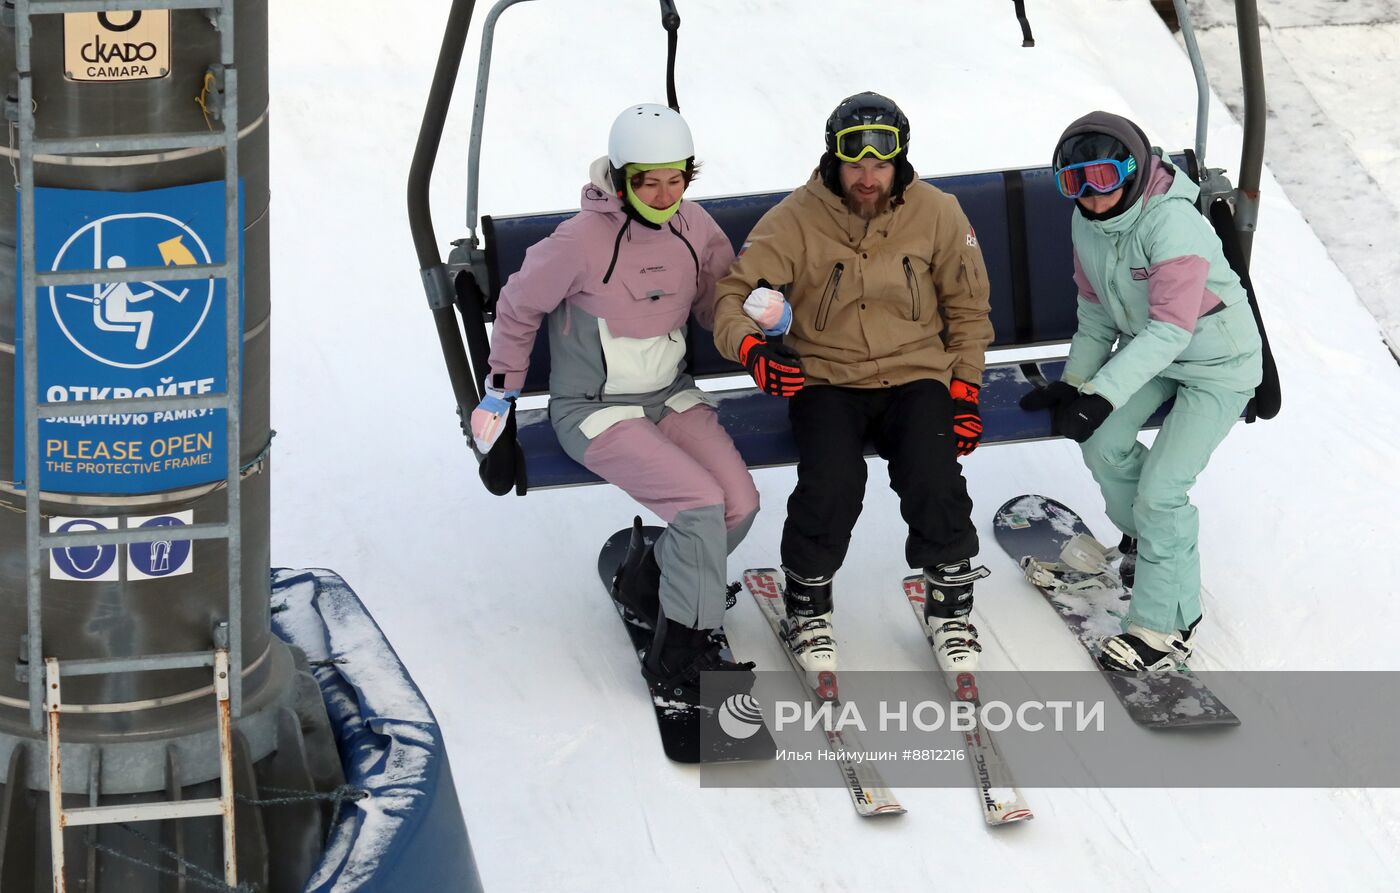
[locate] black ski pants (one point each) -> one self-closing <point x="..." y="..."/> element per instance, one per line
<point x="911" y="427"/>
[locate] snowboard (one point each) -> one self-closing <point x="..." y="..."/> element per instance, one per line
<point x="690" y="733"/>
<point x="1038" y="527"/>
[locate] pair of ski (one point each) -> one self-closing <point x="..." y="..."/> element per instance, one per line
<point x="1039" y="533"/>
<point x="1001" y="803"/>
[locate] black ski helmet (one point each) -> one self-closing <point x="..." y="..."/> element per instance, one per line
<point x="1100" y="135"/>
<point x="1091" y="146"/>
<point x="866" y="108"/>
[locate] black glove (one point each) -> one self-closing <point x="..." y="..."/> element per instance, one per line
<point x="1082" y="416"/>
<point x="1049" y="397"/>
<point x="775" y="367"/>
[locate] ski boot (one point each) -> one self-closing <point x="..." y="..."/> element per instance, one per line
<point x="677" y="657"/>
<point x="807" y="629"/>
<point x="947" y="605"/>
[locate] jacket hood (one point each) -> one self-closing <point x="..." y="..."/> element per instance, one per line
<point x="598" y="194"/>
<point x="1169" y="181"/>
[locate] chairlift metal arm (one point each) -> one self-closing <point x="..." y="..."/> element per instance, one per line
<point x="671" y="21"/>
<point x="438" y="279"/>
<point x="1255" y="121"/>
<point x="1027" y="38"/>
<point x="483" y="78"/>
<point x="1193" y="52"/>
<point x="436" y="282"/>
<point x="1213" y="182"/>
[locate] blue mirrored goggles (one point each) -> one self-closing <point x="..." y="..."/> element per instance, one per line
<point x="1102" y="176"/>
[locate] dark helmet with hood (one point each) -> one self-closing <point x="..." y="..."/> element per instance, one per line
<point x="1103" y="135"/>
<point x="864" y="109"/>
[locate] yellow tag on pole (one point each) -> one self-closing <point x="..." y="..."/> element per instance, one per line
<point x="130" y="45"/>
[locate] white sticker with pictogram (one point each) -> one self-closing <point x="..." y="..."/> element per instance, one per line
<point x="103" y="320"/>
<point x="87" y="564"/>
<point x="168" y="557"/>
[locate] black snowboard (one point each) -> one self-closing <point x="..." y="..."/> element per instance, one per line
<point x="1039" y="527"/>
<point x="690" y="733"/>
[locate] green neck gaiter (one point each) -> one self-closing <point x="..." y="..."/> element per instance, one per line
<point x="646" y="211"/>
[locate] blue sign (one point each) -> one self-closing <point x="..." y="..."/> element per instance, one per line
<point x="110" y="340"/>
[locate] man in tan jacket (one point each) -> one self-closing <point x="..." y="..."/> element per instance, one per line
<point x="874" y="283"/>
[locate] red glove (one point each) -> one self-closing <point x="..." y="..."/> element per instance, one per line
<point x="776" y="368"/>
<point x="967" y="419"/>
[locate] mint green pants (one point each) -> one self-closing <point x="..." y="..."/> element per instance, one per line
<point x="1146" y="490"/>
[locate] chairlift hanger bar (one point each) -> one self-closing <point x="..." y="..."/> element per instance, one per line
<point x="438" y="283"/>
<point x="1255" y="114"/>
<point x="1027" y="38"/>
<point x="420" y="218"/>
<point x="454" y="40"/>
<point x="483" y="76"/>
<point x="671" y="21"/>
<point x="1193" y="52"/>
<point x="1214" y="184"/>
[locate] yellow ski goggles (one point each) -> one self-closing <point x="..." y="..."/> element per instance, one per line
<point x="879" y="140"/>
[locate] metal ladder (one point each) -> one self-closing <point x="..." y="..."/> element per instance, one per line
<point x="222" y="805"/>
<point x="226" y="654"/>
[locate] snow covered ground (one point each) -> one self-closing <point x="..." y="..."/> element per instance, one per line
<point x="493" y="602"/>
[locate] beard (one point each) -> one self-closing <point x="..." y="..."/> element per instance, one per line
<point x="869" y="208"/>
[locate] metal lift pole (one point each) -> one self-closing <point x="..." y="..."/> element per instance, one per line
<point x="1255" y="121"/>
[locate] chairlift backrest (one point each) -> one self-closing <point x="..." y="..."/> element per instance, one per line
<point x="1021" y="223"/>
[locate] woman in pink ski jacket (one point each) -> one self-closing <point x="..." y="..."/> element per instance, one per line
<point x="616" y="285"/>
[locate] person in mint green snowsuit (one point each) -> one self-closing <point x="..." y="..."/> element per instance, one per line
<point x="1161" y="316"/>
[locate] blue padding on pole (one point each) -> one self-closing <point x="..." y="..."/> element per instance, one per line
<point x="408" y="834"/>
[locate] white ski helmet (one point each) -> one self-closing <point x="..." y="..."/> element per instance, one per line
<point x="649" y="134"/>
